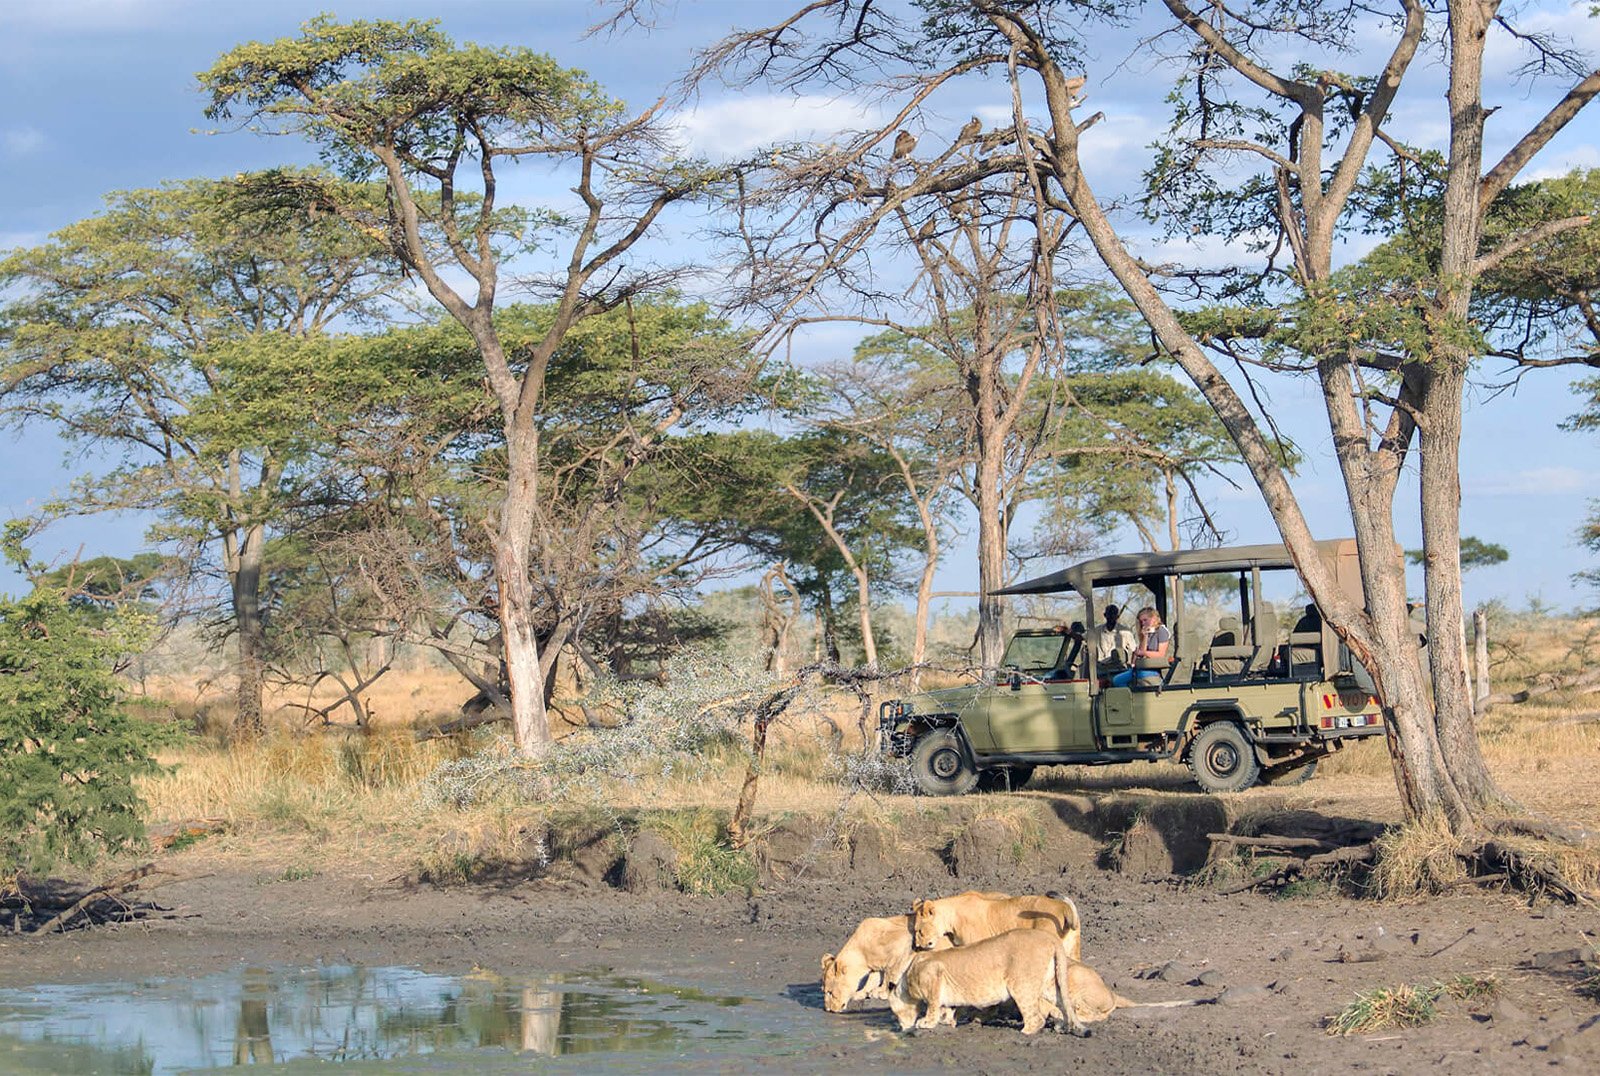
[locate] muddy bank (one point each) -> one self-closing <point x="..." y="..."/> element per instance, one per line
<point x="1276" y="968"/>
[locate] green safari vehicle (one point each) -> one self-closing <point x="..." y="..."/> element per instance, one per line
<point x="1253" y="689"/>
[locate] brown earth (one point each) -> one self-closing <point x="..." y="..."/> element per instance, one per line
<point x="1275" y="968"/>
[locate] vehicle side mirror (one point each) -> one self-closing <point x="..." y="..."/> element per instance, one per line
<point x="1015" y="679"/>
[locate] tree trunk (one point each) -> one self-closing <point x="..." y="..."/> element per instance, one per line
<point x="1480" y="655"/>
<point x="530" y="722"/>
<point x="1440" y="429"/>
<point x="1172" y="511"/>
<point x="919" y="638"/>
<point x="830" y="623"/>
<point x="991" y="550"/>
<point x="869" y="642"/>
<point x="1453" y="709"/>
<point x="248" y="720"/>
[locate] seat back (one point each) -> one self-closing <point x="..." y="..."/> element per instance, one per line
<point x="1268" y="634"/>
<point x="1227" y="654"/>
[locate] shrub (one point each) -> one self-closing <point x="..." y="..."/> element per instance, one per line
<point x="69" y="748"/>
<point x="675" y="727"/>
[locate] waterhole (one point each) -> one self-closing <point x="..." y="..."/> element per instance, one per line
<point x="397" y="1019"/>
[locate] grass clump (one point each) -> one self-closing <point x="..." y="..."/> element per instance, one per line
<point x="1589" y="986"/>
<point x="707" y="863"/>
<point x="1405" y="1005"/>
<point x="1387" y="1007"/>
<point x="1418" y="858"/>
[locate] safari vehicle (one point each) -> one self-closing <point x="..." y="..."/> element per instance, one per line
<point x="1255" y="688"/>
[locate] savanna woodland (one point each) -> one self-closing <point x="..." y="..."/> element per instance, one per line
<point x="597" y="518"/>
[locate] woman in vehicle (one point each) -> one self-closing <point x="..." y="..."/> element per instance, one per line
<point x="1155" y="646"/>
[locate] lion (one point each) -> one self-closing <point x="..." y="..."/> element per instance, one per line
<point x="972" y="917"/>
<point x="860" y="967"/>
<point x="1029" y="967"/>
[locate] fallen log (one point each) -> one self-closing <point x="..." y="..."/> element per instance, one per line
<point x="1570" y="682"/>
<point x="165" y="836"/>
<point x="110" y="890"/>
<point x="1315" y="865"/>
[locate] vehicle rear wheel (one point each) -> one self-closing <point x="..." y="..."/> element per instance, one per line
<point x="1297" y="776"/>
<point x="939" y="765"/>
<point x="1222" y="760"/>
<point x="1004" y="779"/>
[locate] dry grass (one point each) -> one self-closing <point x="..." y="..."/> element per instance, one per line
<point x="320" y="795"/>
<point x="1423" y="857"/>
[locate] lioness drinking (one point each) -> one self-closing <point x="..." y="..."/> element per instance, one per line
<point x="972" y="917"/>
<point x="1028" y="967"/>
<point x="860" y="968"/>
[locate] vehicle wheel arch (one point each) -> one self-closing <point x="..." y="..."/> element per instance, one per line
<point x="1202" y="717"/>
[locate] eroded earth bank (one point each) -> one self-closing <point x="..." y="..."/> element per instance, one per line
<point x="1273" y="969"/>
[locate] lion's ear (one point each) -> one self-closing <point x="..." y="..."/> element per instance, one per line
<point x="827" y="962"/>
<point x="916" y="906"/>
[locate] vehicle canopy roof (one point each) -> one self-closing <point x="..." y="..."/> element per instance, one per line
<point x="1125" y="568"/>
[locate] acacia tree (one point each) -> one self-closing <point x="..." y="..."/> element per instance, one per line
<point x="1134" y="447"/>
<point x="1391" y="362"/>
<point x="905" y="411"/>
<point x="402" y="103"/>
<point x="124" y="331"/>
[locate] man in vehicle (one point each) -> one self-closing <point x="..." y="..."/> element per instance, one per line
<point x="1112" y="642"/>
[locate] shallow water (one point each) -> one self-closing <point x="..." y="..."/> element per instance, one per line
<point x="398" y="1019"/>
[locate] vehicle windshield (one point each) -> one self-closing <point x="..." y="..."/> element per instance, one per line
<point x="1033" y="653"/>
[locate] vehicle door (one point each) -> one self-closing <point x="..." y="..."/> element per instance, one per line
<point x="1043" y="710"/>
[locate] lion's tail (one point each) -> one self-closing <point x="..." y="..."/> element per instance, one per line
<point x="1071" y="929"/>
<point x="1129" y="1003"/>
<point x="1069" y="1011"/>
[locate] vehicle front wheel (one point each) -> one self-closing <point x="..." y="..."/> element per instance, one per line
<point x="939" y="765"/>
<point x="1222" y="760"/>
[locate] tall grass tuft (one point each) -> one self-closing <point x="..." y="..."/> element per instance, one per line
<point x="1418" y="858"/>
<point x="707" y="863"/>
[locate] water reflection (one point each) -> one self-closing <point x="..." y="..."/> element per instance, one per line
<point x="265" y="1016"/>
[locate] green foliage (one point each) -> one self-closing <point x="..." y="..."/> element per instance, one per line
<point x="70" y="751"/>
<point x="349" y="85"/>
<point x="1475" y="553"/>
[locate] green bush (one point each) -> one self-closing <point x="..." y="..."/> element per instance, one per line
<point x="69" y="748"/>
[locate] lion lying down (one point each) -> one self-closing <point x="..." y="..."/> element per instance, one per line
<point x="972" y="917"/>
<point x="1029" y="967"/>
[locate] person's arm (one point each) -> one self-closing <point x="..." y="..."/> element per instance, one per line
<point x="1160" y="649"/>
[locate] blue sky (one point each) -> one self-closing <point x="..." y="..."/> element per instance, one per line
<point x="99" y="95"/>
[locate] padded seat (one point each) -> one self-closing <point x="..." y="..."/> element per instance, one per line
<point x="1228" y="655"/>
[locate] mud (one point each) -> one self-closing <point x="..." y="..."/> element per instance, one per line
<point x="1273" y="969"/>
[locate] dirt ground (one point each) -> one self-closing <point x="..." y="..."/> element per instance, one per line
<point x="1273" y="966"/>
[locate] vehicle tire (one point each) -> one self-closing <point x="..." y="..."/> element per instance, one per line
<point x="939" y="765"/>
<point x="1222" y="760"/>
<point x="1004" y="779"/>
<point x="1297" y="776"/>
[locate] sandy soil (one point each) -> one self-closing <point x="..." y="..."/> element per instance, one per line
<point x="1276" y="963"/>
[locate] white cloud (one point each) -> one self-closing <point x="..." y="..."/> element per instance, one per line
<point x="736" y="125"/>
<point x="22" y="141"/>
<point x="1206" y="251"/>
<point x="1530" y="481"/>
<point x="1585" y="156"/>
